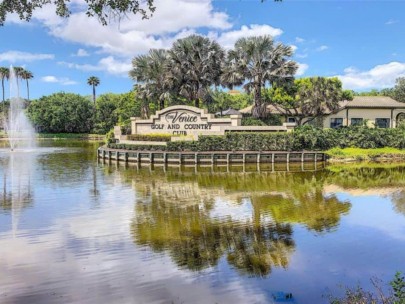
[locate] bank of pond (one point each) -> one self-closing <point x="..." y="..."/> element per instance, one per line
<point x="271" y="231"/>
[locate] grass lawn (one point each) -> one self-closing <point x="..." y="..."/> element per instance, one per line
<point x="357" y="154"/>
<point x="64" y="136"/>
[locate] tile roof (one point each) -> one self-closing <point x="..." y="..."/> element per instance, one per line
<point x="374" y="102"/>
<point x="357" y="102"/>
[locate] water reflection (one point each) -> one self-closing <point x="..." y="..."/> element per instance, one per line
<point x="121" y="234"/>
<point x="175" y="214"/>
<point x="17" y="190"/>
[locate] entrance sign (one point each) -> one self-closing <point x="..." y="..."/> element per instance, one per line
<point x="184" y="121"/>
<point x="188" y="123"/>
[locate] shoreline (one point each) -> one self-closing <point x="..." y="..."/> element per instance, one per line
<point x="62" y="136"/>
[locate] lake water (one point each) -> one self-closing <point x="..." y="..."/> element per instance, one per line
<point x="74" y="230"/>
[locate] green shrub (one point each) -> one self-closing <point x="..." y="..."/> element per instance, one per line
<point x="137" y="147"/>
<point x="251" y="121"/>
<point x="270" y="120"/>
<point x="303" y="138"/>
<point x="150" y="137"/>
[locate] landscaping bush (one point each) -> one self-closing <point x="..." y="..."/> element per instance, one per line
<point x="303" y="138"/>
<point x="137" y="147"/>
<point x="150" y="137"/>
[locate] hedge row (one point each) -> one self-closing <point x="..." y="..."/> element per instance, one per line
<point x="304" y="138"/>
<point x="137" y="147"/>
<point x="151" y="137"/>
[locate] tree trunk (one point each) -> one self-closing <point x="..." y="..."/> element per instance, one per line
<point x="197" y="103"/>
<point x="28" y="91"/>
<point x="145" y="110"/>
<point x="94" y="94"/>
<point x="259" y="109"/>
<point x="2" y="85"/>
<point x="162" y="105"/>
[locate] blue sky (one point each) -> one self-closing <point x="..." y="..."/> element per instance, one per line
<point x="362" y="42"/>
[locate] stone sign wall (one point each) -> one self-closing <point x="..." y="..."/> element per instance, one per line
<point x="188" y="123"/>
<point x="184" y="121"/>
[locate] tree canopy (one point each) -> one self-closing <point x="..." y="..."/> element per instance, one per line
<point x="104" y="10"/>
<point x="255" y="62"/>
<point x="62" y="112"/>
<point x="309" y="97"/>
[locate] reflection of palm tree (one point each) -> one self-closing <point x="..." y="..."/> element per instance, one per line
<point x="180" y="225"/>
<point x="255" y="249"/>
<point x="399" y="201"/>
<point x="195" y="241"/>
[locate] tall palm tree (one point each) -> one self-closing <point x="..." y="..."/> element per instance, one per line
<point x="27" y="75"/>
<point x="256" y="61"/>
<point x="194" y="65"/>
<point x="93" y="81"/>
<point x="4" y="74"/>
<point x="151" y="70"/>
<point x="18" y="71"/>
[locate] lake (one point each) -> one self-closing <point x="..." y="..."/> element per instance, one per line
<point x="75" y="230"/>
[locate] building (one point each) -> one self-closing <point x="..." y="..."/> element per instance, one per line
<point x="375" y="111"/>
<point x="378" y="111"/>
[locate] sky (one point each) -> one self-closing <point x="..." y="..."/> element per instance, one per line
<point x="361" y="42"/>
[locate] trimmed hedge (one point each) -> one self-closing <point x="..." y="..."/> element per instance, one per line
<point x="150" y="137"/>
<point x="137" y="147"/>
<point x="304" y="138"/>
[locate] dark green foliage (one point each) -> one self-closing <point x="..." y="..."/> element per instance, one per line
<point x="358" y="295"/>
<point x="62" y="113"/>
<point x="151" y="137"/>
<point x="104" y="11"/>
<point x="251" y="121"/>
<point x="113" y="109"/>
<point x="270" y="120"/>
<point x="137" y="147"/>
<point x="303" y="138"/>
<point x="398" y="287"/>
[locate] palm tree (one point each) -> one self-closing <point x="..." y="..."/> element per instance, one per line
<point x="151" y="70"/>
<point x="256" y="61"/>
<point x="194" y="65"/>
<point x="17" y="73"/>
<point x="27" y="75"/>
<point x="93" y="81"/>
<point x="4" y="74"/>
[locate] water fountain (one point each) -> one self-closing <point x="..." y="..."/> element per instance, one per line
<point x="16" y="166"/>
<point x="19" y="130"/>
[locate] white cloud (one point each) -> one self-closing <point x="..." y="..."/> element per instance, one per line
<point x="380" y="76"/>
<point x="62" y="81"/>
<point x="302" y="68"/>
<point x="17" y="56"/>
<point x="82" y="53"/>
<point x="299" y="40"/>
<point x="391" y="21"/>
<point x="228" y="39"/>
<point x="294" y="47"/>
<point x="322" y="48"/>
<point x="109" y="64"/>
<point x="304" y="55"/>
<point x="134" y="35"/>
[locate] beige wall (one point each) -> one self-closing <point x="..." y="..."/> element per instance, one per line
<point x="367" y="114"/>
